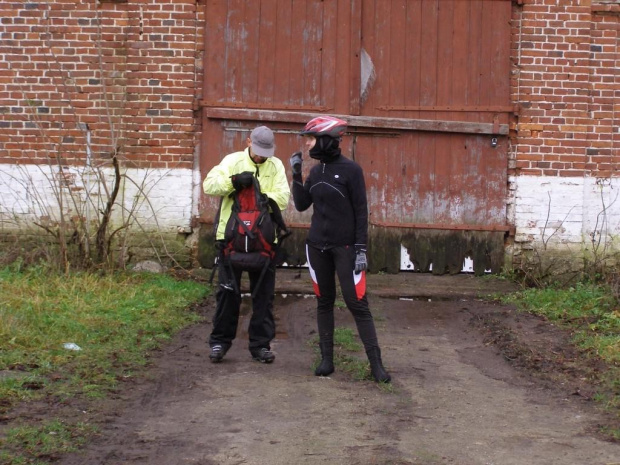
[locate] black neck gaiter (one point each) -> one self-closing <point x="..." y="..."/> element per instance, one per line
<point x="326" y="149"/>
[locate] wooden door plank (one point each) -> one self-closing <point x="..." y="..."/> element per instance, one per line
<point x="329" y="65"/>
<point x="313" y="52"/>
<point x="267" y="51"/>
<point x="368" y="41"/>
<point x="298" y="50"/>
<point x="234" y="37"/>
<point x="249" y="51"/>
<point x="342" y="95"/>
<point x="285" y="48"/>
<point x="413" y="56"/>
<point x="472" y="73"/>
<point x="396" y="59"/>
<point x="381" y="56"/>
<point x="486" y="53"/>
<point x="355" y="71"/>
<point x="501" y="65"/>
<point x="428" y="47"/>
<point x="215" y="51"/>
<point x="461" y="44"/>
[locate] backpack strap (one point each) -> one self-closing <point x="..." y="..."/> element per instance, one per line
<point x="276" y="215"/>
<point x="249" y="233"/>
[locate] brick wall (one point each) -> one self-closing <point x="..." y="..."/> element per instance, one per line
<point x="566" y="84"/>
<point x="129" y="72"/>
<point x="565" y="79"/>
<point x="81" y="81"/>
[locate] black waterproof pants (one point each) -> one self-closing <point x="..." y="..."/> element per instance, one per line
<point x="324" y="266"/>
<point x="262" y="328"/>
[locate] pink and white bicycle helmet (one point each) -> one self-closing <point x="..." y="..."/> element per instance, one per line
<point x="325" y="126"/>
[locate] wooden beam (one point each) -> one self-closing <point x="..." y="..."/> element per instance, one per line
<point x="403" y="124"/>
<point x="452" y="108"/>
<point x="450" y="227"/>
<point x="443" y="227"/>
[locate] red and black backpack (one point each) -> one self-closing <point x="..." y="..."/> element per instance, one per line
<point x="254" y="231"/>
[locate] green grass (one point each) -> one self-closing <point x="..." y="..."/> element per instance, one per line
<point x="588" y="309"/>
<point x="46" y="441"/>
<point x="346" y="344"/>
<point x="346" y="339"/>
<point x="115" y="319"/>
<point x="592" y="315"/>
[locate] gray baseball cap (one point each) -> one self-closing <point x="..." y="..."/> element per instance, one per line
<point x="263" y="142"/>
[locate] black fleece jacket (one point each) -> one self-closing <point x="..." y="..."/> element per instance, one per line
<point x="337" y="192"/>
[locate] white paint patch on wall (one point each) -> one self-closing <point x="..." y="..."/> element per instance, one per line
<point x="561" y="210"/>
<point x="160" y="199"/>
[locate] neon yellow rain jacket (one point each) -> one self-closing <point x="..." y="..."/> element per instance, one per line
<point x="270" y="174"/>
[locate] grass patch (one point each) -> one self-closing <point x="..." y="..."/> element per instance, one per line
<point x="346" y="339"/>
<point x="43" y="443"/>
<point x="115" y="321"/>
<point x="592" y="314"/>
<point x="346" y="343"/>
<point x="589" y="310"/>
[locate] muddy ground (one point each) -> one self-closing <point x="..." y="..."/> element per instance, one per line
<point x="474" y="383"/>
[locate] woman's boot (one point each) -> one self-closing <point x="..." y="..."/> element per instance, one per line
<point x="326" y="367"/>
<point x="376" y="366"/>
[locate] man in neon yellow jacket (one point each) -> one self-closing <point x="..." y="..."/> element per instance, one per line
<point x="234" y="172"/>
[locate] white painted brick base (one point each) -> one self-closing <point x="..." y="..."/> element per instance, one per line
<point x="553" y="210"/>
<point x="572" y="211"/>
<point x="159" y="199"/>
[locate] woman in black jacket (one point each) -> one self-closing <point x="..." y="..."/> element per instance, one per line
<point x="337" y="239"/>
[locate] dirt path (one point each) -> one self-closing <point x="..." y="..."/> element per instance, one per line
<point x="455" y="399"/>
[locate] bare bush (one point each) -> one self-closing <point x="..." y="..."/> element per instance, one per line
<point x="73" y="210"/>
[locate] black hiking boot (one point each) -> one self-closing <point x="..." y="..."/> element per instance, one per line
<point x="217" y="353"/>
<point x="376" y="366"/>
<point x="326" y="367"/>
<point x="263" y="355"/>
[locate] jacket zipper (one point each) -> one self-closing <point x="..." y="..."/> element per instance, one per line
<point x="324" y="222"/>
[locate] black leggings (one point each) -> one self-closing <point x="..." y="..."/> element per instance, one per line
<point x="324" y="265"/>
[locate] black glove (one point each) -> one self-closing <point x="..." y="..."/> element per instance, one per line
<point x="296" y="163"/>
<point x="242" y="180"/>
<point x="361" y="262"/>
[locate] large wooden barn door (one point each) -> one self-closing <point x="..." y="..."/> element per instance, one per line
<point x="424" y="85"/>
<point x="441" y="187"/>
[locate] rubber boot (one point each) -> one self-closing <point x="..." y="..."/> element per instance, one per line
<point x="326" y="367"/>
<point x="376" y="366"/>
